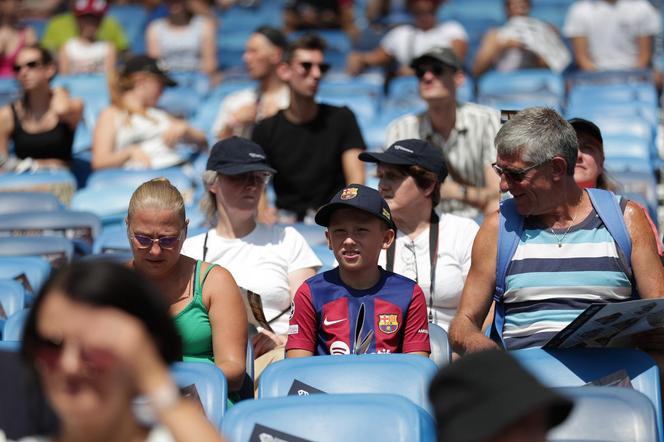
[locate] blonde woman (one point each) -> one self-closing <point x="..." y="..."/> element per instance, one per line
<point x="204" y="300"/>
<point x="132" y="132"/>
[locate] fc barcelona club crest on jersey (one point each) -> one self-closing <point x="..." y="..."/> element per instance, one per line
<point x="388" y="323"/>
<point x="348" y="193"/>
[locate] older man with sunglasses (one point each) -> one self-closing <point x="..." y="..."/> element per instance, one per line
<point x="313" y="146"/>
<point x="463" y="131"/>
<point x="554" y="248"/>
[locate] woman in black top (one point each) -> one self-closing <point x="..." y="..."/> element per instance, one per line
<point x="43" y="121"/>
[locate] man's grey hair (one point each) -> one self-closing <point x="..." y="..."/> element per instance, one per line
<point x="538" y="134"/>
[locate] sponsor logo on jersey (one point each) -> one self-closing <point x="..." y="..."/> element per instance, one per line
<point x="327" y="323"/>
<point x="339" y="348"/>
<point x="388" y="323"/>
<point x="423" y="331"/>
<point x="293" y="329"/>
<point x="348" y="193"/>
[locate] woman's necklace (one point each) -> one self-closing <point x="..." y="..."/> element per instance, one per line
<point x="561" y="239"/>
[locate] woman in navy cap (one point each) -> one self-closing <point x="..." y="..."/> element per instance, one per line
<point x="430" y="249"/>
<point x="269" y="260"/>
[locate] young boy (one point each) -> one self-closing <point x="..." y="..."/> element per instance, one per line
<point x="358" y="307"/>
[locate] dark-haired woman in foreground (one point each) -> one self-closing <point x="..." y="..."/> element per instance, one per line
<point x="97" y="336"/>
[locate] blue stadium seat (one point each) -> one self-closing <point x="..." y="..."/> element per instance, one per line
<point x="83" y="85"/>
<point x="551" y="13"/>
<point x="14" y="346"/>
<point x="401" y="374"/>
<point x="33" y="180"/>
<point x="633" y="110"/>
<point x="56" y="250"/>
<point x="12" y="296"/>
<point x="539" y="82"/>
<point x="133" y="19"/>
<point x="441" y="350"/>
<point x="117" y="257"/>
<point x="80" y="227"/>
<point x="462" y="9"/>
<point x="615" y="94"/>
<point x="609" y="414"/>
<point x="210" y="383"/>
<point x="626" y="146"/>
<point x="9" y="90"/>
<point x="113" y="239"/>
<point x="184" y="99"/>
<point x="13" y="328"/>
<point x="577" y="367"/>
<point x="17" y="202"/>
<point x="206" y="113"/>
<point x="105" y="178"/>
<point x="230" y="48"/>
<point x="313" y="233"/>
<point x="109" y="203"/>
<point x="35" y="268"/>
<point x="327" y="418"/>
<point x="326" y="256"/>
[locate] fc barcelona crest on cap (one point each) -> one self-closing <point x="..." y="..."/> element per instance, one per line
<point x="348" y="193"/>
<point x="388" y="323"/>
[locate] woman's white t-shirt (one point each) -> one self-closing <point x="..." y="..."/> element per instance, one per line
<point x="260" y="262"/>
<point x="412" y="260"/>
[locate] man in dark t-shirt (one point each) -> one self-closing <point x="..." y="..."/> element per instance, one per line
<point x="313" y="147"/>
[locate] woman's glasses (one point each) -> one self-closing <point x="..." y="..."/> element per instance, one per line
<point x="146" y="242"/>
<point x="49" y="353"/>
<point x="257" y="178"/>
<point x="30" y="65"/>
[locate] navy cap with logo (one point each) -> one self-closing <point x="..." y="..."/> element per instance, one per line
<point x="359" y="197"/>
<point x="410" y="152"/>
<point x="144" y="63"/>
<point x="236" y="155"/>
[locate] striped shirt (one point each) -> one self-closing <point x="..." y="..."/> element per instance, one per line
<point x="469" y="148"/>
<point x="547" y="286"/>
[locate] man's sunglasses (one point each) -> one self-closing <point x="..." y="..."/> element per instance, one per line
<point x="165" y="242"/>
<point x="516" y="174"/>
<point x="437" y="69"/>
<point x="30" y="65"/>
<point x="307" y="66"/>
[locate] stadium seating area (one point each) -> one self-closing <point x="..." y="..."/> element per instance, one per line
<point x="39" y="232"/>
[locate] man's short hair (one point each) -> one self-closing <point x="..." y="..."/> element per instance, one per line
<point x="274" y="36"/>
<point x="311" y="42"/>
<point x="538" y="134"/>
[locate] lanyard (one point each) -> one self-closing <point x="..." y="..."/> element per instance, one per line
<point x="433" y="258"/>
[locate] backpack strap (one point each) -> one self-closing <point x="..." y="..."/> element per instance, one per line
<point x="509" y="232"/>
<point x="606" y="205"/>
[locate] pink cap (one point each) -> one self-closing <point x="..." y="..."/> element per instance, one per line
<point x="91" y="7"/>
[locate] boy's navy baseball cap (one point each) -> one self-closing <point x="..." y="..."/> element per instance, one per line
<point x="236" y="155"/>
<point x="410" y="152"/>
<point x="359" y="197"/>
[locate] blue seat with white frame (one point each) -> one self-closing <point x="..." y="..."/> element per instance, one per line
<point x="56" y="250"/>
<point x="210" y="383"/>
<point x="17" y="202"/>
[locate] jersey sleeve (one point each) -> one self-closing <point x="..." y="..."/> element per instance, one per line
<point x="303" y="325"/>
<point x="416" y="335"/>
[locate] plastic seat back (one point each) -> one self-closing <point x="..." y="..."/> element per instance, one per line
<point x="577" y="367"/>
<point x="17" y="202"/>
<point x="31" y="271"/>
<point x="327" y="418"/>
<point x="56" y="250"/>
<point x="13" y="328"/>
<point x="210" y="383"/>
<point x="401" y="374"/>
<point x="609" y="414"/>
<point x="441" y="350"/>
<point x="12" y="296"/>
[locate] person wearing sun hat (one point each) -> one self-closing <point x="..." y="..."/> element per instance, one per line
<point x="133" y="133"/>
<point x="357" y="307"/>
<point x="432" y="249"/>
<point x="489" y="397"/>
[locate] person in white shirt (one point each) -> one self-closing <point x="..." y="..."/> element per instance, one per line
<point x="405" y="42"/>
<point x="269" y="260"/>
<point x="432" y="249"/>
<point x="612" y="34"/>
